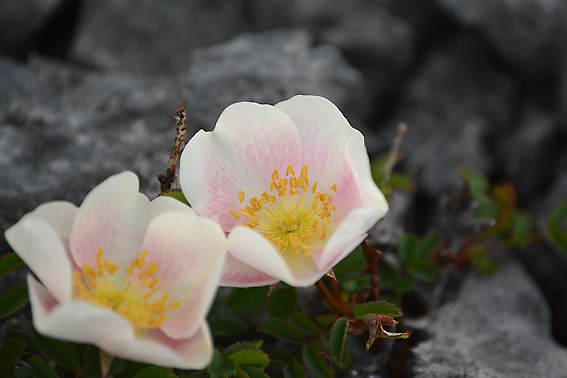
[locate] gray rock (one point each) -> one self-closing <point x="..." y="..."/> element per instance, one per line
<point x="497" y="327"/>
<point x="152" y="38"/>
<point x="63" y="130"/>
<point x="21" y="19"/>
<point x="269" y="67"/>
<point x="454" y="101"/>
<point x="522" y="154"/>
<point x="524" y="32"/>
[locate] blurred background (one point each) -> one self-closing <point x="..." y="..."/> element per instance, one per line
<point x="86" y="88"/>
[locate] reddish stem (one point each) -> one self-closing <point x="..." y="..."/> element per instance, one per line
<point x="329" y="298"/>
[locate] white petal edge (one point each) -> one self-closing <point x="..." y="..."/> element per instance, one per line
<point x="108" y="219"/>
<point x="324" y="132"/>
<point x="59" y="215"/>
<point x="249" y="141"/>
<point x="44" y="253"/>
<point x="238" y="274"/>
<point x="253" y="249"/>
<point x="358" y="221"/>
<point x="155" y="348"/>
<point x="190" y="254"/>
<point x="74" y="321"/>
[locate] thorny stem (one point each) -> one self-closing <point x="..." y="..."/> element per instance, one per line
<point x="400" y="131"/>
<point x="372" y="256"/>
<point x="166" y="178"/>
<point x="329" y="298"/>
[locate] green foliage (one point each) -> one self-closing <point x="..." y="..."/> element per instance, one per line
<point x="40" y="369"/>
<point x="155" y="372"/>
<point x="382" y="308"/>
<point x="13" y="300"/>
<point x="338" y="338"/>
<point x="294" y="370"/>
<point x="221" y="368"/>
<point x="283" y="329"/>
<point x="282" y="302"/>
<point x="557" y="226"/>
<point x="12" y="350"/>
<point x="243" y="301"/>
<point x="223" y="327"/>
<point x="177" y="194"/>
<point x="8" y="263"/>
<point x="315" y="361"/>
<point x="395" y="181"/>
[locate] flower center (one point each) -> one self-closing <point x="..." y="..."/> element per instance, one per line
<point x="137" y="297"/>
<point x="293" y="215"/>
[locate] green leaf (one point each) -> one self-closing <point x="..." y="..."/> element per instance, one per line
<point x="382" y="308"/>
<point x="315" y="362"/>
<point x="251" y="357"/>
<point x="423" y="270"/>
<point x="254" y="372"/>
<point x="556" y="226"/>
<point x="282" y="302"/>
<point x="177" y="194"/>
<point x="351" y="267"/>
<point x="521" y="226"/>
<point x="276" y="354"/>
<point x="478" y="184"/>
<point x="305" y="324"/>
<point x="221" y="369"/>
<point x="13" y="300"/>
<point x="401" y="181"/>
<point x="241" y="374"/>
<point x="5" y="371"/>
<point x="294" y="370"/>
<point x="155" y="372"/>
<point x="59" y="351"/>
<point x="391" y="279"/>
<point x="8" y="263"/>
<point x="243" y="301"/>
<point x="408" y="248"/>
<point x="238" y="347"/>
<point x="123" y="369"/>
<point x="430" y="243"/>
<point x="283" y="329"/>
<point x="480" y="259"/>
<point x="338" y="338"/>
<point x="40" y="369"/>
<point x="12" y="350"/>
<point x="356" y="285"/>
<point x="228" y="327"/>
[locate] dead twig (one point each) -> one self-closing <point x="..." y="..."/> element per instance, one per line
<point x="166" y="178"/>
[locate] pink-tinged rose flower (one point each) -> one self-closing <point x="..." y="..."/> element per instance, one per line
<point x="134" y="277"/>
<point x="291" y="184"/>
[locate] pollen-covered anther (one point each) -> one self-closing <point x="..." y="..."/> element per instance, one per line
<point x="291" y="217"/>
<point x="134" y="298"/>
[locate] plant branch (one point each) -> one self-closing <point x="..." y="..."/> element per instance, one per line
<point x="394" y="151"/>
<point x="372" y="256"/>
<point x="166" y="178"/>
<point x="329" y="298"/>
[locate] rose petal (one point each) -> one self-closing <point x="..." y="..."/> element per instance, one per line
<point x="237" y="274"/>
<point x="59" y="215"/>
<point x="156" y="348"/>
<point x="253" y="249"/>
<point x="74" y="321"/>
<point x="44" y="253"/>
<point x="109" y="218"/>
<point x="373" y="206"/>
<point x="189" y="252"/>
<point x="324" y="132"/>
<point x="248" y="143"/>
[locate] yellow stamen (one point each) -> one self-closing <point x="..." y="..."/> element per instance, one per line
<point x="291" y="217"/>
<point x="240" y="196"/>
<point x="137" y="297"/>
